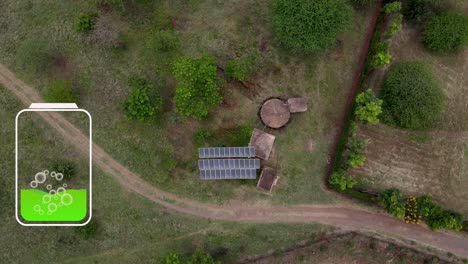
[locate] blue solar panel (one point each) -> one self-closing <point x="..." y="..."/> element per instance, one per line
<point x="228" y="152"/>
<point x="228" y="174"/>
<point x="210" y="164"/>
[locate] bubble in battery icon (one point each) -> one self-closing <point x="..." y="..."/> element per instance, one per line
<point x="53" y="165"/>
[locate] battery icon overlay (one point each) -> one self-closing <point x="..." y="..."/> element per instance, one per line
<point x="53" y="165"/>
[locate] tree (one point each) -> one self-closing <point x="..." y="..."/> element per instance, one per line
<point x="340" y="181"/>
<point x="411" y="96"/>
<point x="140" y="105"/>
<point x="446" y="33"/>
<point x="437" y="218"/>
<point x="391" y="201"/>
<point x="66" y="167"/>
<point x="241" y="69"/>
<point x="309" y="26"/>
<point x="197" y="90"/>
<point x="392" y="7"/>
<point x="60" y="92"/>
<point x="368" y="107"/>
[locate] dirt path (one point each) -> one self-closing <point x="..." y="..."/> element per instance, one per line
<point x="349" y="218"/>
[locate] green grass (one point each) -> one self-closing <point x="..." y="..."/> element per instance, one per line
<point x="163" y="152"/>
<point x="131" y="229"/>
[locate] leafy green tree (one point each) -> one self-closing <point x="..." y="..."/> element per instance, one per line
<point x="85" y="23"/>
<point x="310" y="26"/>
<point x="392" y="7"/>
<point x="198" y="86"/>
<point x="411" y="96"/>
<point x="446" y="32"/>
<point x="60" y="92"/>
<point x="368" y="107"/>
<point x="140" y="105"/>
<point x="66" y="167"/>
<point x="242" y="68"/>
<point x="391" y="201"/>
<point x="340" y="181"/>
<point x="34" y="55"/>
<point x="437" y="218"/>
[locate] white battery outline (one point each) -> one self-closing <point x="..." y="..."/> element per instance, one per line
<point x="55" y="107"/>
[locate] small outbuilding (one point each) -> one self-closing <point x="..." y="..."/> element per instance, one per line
<point x="268" y="179"/>
<point x="262" y="142"/>
<point x="297" y="104"/>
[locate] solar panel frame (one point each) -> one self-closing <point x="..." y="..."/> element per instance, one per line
<point x="228" y="174"/>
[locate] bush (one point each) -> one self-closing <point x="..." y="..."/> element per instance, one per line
<point x="139" y="105"/>
<point x="411" y="96"/>
<point x="85" y="23"/>
<point x="421" y="10"/>
<point x="355" y="160"/>
<point x="340" y="181"/>
<point x="60" y="92"/>
<point x="391" y="201"/>
<point x="202" y="135"/>
<point x="33" y="55"/>
<point x="88" y="231"/>
<point x="392" y="7"/>
<point x="368" y="107"/>
<point x="437" y="218"/>
<point x="447" y="32"/>
<point x="198" y="85"/>
<point x="241" y="69"/>
<point x="309" y="26"/>
<point x="239" y="136"/>
<point x="164" y="41"/>
<point x="395" y="26"/>
<point x="66" y="167"/>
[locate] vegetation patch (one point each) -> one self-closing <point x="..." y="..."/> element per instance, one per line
<point x="241" y="69"/>
<point x="60" y="92"/>
<point x="446" y="32"/>
<point x="411" y="96"/>
<point x="310" y="26"/>
<point x="198" y="86"/>
<point x="140" y="105"/>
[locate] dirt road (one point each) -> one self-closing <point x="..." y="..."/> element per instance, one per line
<point x="349" y="218"/>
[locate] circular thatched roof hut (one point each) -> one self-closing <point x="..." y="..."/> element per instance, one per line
<point x="275" y="113"/>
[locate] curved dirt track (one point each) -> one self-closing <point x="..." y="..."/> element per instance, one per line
<point x="349" y="218"/>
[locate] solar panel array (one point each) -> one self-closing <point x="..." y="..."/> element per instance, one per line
<point x="228" y="174"/>
<point x="227" y="152"/>
<point x="214" y="164"/>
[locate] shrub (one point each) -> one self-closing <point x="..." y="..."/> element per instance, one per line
<point x="197" y="90"/>
<point x="66" y="167"/>
<point x="60" y="92"/>
<point x="139" y="105"/>
<point x="391" y="201"/>
<point x="241" y="69"/>
<point x="309" y="26"/>
<point x="411" y="96"/>
<point x="355" y="160"/>
<point x="446" y="32"/>
<point x="164" y="41"/>
<point x="173" y="258"/>
<point x="368" y="107"/>
<point x="85" y="23"/>
<point x="411" y="211"/>
<point x="382" y="58"/>
<point x="392" y="7"/>
<point x="340" y="181"/>
<point x="421" y="10"/>
<point x="202" y="135"/>
<point x="437" y="218"/>
<point x="357" y="145"/>
<point x="88" y="231"/>
<point x="395" y="26"/>
<point x="33" y="55"/>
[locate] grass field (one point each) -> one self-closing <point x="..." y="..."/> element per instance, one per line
<point x="424" y="162"/>
<point x="163" y="151"/>
<point x="130" y="228"/>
